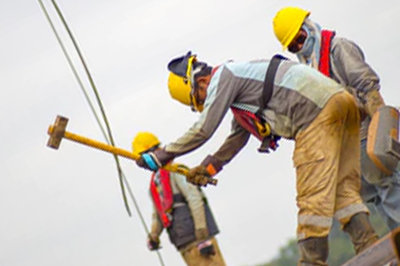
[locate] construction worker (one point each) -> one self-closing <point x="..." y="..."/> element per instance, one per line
<point x="182" y="209"/>
<point x="343" y="61"/>
<point x="271" y="99"/>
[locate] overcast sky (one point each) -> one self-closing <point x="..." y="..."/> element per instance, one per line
<point x="64" y="207"/>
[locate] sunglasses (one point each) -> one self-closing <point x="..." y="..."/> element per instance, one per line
<point x="297" y="42"/>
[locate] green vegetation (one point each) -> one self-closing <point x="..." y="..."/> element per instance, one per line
<point x="340" y="247"/>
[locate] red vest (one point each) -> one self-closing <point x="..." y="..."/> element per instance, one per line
<point x="325" y="50"/>
<point x="161" y="193"/>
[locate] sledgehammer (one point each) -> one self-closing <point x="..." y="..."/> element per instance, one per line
<point x="57" y="132"/>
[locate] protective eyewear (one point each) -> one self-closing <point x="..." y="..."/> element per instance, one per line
<point x="297" y="42"/>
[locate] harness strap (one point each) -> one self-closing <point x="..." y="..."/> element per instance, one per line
<point x="161" y="193"/>
<point x="325" y="50"/>
<point x="269" y="81"/>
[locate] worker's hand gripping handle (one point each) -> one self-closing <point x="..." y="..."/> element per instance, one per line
<point x="184" y="170"/>
<point x="57" y="132"/>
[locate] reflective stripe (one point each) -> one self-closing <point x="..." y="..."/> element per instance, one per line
<point x="246" y="107"/>
<point x="321" y="221"/>
<point x="350" y="210"/>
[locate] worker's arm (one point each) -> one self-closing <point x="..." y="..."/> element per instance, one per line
<point x="195" y="201"/>
<point x="232" y="144"/>
<point x="156" y="225"/>
<point x="153" y="239"/>
<point x="221" y="93"/>
<point x="212" y="164"/>
<point x="350" y="67"/>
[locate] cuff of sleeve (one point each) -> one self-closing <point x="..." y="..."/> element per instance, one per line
<point x="212" y="164"/>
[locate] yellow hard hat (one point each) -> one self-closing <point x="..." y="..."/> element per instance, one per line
<point x="180" y="81"/>
<point x="287" y="23"/>
<point x="144" y="141"/>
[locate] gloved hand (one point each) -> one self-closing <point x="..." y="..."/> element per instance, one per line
<point x="206" y="248"/>
<point x="198" y="176"/>
<point x="154" y="160"/>
<point x="201" y="234"/>
<point x="153" y="242"/>
<point x="149" y="161"/>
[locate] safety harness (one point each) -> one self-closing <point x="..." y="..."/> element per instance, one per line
<point x="325" y="50"/>
<point x="162" y="195"/>
<point x="253" y="121"/>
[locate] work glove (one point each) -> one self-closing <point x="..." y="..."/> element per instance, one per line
<point x="153" y="242"/>
<point x="198" y="176"/>
<point x="206" y="248"/>
<point x="201" y="234"/>
<point x="154" y="160"/>
<point x="202" y="174"/>
<point x="149" y="161"/>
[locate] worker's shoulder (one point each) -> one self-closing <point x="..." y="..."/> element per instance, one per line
<point x="244" y="64"/>
<point x="340" y="43"/>
<point x="254" y="69"/>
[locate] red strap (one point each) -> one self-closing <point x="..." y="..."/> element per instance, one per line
<point x="244" y="118"/>
<point x="247" y="120"/>
<point x="325" y="50"/>
<point x="161" y="193"/>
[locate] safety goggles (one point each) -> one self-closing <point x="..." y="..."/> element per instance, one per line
<point x="298" y="41"/>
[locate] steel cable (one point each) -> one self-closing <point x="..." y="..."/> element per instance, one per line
<point x="109" y="139"/>
<point x="99" y="102"/>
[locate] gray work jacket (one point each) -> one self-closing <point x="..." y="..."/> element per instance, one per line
<point x="299" y="95"/>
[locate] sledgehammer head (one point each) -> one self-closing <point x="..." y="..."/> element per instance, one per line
<point x="57" y="131"/>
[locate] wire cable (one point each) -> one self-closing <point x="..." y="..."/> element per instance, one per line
<point x="83" y="89"/>
<point x="99" y="102"/>
<point x="124" y="179"/>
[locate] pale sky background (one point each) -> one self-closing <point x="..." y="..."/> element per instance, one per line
<point x="64" y="207"/>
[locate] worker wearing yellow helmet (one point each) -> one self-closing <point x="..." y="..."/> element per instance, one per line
<point x="181" y="80"/>
<point x="280" y="98"/>
<point x="343" y="61"/>
<point x="182" y="209"/>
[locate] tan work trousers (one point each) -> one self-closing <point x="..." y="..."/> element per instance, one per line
<point x="327" y="161"/>
<point x="193" y="257"/>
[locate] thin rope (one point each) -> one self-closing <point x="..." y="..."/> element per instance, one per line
<point x="99" y="123"/>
